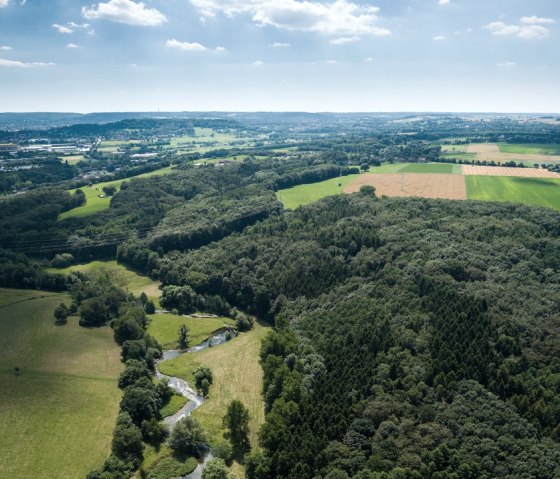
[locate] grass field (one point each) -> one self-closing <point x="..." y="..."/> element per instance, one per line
<point x="454" y="148"/>
<point x="57" y="416"/>
<point x="237" y="375"/>
<point x="530" y="149"/>
<point x="431" y="168"/>
<point x="94" y="203"/>
<point x="460" y="156"/>
<point x="305" y="194"/>
<point x="164" y="327"/>
<point x="72" y="159"/>
<point x="532" y="191"/>
<point x="124" y="277"/>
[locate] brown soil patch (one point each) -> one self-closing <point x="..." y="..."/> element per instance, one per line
<point x="491" y="152"/>
<point x="503" y="171"/>
<point x="413" y="184"/>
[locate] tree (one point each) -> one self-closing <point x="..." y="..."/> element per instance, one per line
<point x="202" y="374"/>
<point x="61" y="314"/>
<point x="183" y="340"/>
<point x="109" y="190"/>
<point x="127" y="440"/>
<point x="364" y="167"/>
<point x="143" y="298"/>
<point x="93" y="312"/>
<point x="150" y="307"/>
<point x="223" y="450"/>
<point x="215" y="469"/>
<point x="257" y="466"/>
<point x="367" y="190"/>
<point x="188" y="437"/>
<point x="236" y="421"/>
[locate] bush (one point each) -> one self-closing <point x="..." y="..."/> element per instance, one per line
<point x="62" y="260"/>
<point x="188" y="437"/>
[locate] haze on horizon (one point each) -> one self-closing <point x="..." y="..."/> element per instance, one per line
<point x="284" y="55"/>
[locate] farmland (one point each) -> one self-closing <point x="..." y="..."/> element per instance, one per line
<point x="531" y="191"/>
<point x="97" y="201"/>
<point x="165" y="327"/>
<point x="237" y="375"/>
<point x="530" y="149"/>
<point x="506" y="171"/>
<point x="64" y="401"/>
<point x="504" y="153"/>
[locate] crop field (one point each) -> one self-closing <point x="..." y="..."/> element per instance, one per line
<point x="96" y="200"/>
<point x="124" y="277"/>
<point x="305" y="194"/>
<point x="454" y="148"/>
<point x="505" y="171"/>
<point x="494" y="152"/>
<point x="58" y="414"/>
<point x="237" y="375"/>
<point x="413" y="184"/>
<point x="531" y="191"/>
<point x="460" y="156"/>
<point x="439" y="168"/>
<point x="529" y="149"/>
<point x="165" y="327"/>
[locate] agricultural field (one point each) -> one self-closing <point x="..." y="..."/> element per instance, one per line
<point x="72" y="159"/>
<point x="124" y="277"/>
<point x="454" y="148"/>
<point x="237" y="375"/>
<point x="529" y="149"/>
<point x="165" y="327"/>
<point x="65" y="399"/>
<point x="506" y="171"/>
<point x="305" y="194"/>
<point x="494" y="152"/>
<point x="97" y="201"/>
<point x="531" y="191"/>
<point x="413" y="184"/>
<point x="437" y="168"/>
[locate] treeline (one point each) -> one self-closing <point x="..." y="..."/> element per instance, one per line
<point x="414" y="338"/>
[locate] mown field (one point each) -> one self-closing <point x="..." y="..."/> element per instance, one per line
<point x="58" y="414"/>
<point x="531" y="191"/>
<point x="165" y="327"/>
<point x="95" y="204"/>
<point x="124" y="277"/>
<point x="237" y="375"/>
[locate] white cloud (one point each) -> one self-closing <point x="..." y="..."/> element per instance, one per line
<point x="4" y="3"/>
<point x="6" y="48"/>
<point x="279" y="45"/>
<point x="524" y="30"/>
<point x="71" y="27"/>
<point x="125" y="11"/>
<point x="344" y="40"/>
<point x="444" y="2"/>
<point x="258" y="63"/>
<point x="506" y="64"/>
<point x="72" y="45"/>
<point x="534" y="20"/>
<point x="220" y="50"/>
<point x="18" y="64"/>
<point x="368" y="59"/>
<point x="439" y="38"/>
<point x="185" y="46"/>
<point x="340" y="17"/>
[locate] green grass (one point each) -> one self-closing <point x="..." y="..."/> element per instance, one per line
<point x="530" y="149"/>
<point x="161" y="463"/>
<point x="531" y="191"/>
<point x="460" y="156"/>
<point x="454" y="148"/>
<point x="57" y="416"/>
<point x="441" y="168"/>
<point x="164" y="328"/>
<point x="94" y="203"/>
<point x="305" y="194"/>
<point x="237" y="375"/>
<point x="176" y="402"/>
<point x="124" y="277"/>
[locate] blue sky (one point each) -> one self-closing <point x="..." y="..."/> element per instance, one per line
<point x="276" y="55"/>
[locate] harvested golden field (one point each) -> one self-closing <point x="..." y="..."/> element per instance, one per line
<point x="492" y="152"/>
<point x="413" y="184"/>
<point x="503" y="171"/>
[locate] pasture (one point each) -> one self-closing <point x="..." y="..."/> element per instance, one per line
<point x="58" y="414"/>
<point x="437" y="168"/>
<point x="124" y="277"/>
<point x="531" y="191"/>
<point x="97" y="201"/>
<point x="529" y="149"/>
<point x="237" y="375"/>
<point x="454" y="148"/>
<point x="413" y="184"/>
<point x="165" y="327"/>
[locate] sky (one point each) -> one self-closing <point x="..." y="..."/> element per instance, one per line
<point x="280" y="55"/>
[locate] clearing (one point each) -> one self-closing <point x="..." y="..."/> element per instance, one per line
<point x="532" y="191"/>
<point x="97" y="201"/>
<point x="164" y="327"/>
<point x="414" y="184"/>
<point x="505" y="171"/>
<point x="57" y="416"/>
<point x="123" y="276"/>
<point x="237" y="375"/>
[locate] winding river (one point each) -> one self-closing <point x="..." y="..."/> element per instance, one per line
<point x="183" y="388"/>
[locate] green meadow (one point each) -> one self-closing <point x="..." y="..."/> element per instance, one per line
<point x="57" y="415"/>
<point x="531" y="191"/>
<point x="529" y="149"/>
<point x="96" y="203"/>
<point x="439" y="168"/>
